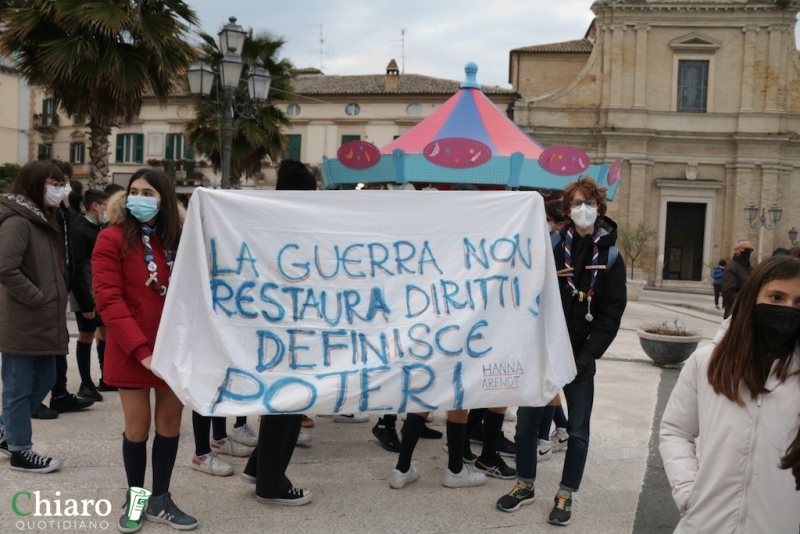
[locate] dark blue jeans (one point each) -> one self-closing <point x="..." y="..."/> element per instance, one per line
<point x="580" y="398"/>
<point x="26" y="382"/>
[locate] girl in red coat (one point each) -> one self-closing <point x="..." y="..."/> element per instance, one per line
<point x="131" y="264"/>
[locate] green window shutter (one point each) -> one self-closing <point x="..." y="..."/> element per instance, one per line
<point x="188" y="152"/>
<point x="139" y="148"/>
<point x="347" y="138"/>
<point x="170" y="153"/>
<point x="120" y="148"/>
<point x="293" y="147"/>
<point x="43" y="152"/>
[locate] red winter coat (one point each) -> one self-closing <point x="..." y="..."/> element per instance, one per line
<point x="130" y="310"/>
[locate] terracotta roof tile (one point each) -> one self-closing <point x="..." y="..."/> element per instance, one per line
<point x="369" y="84"/>
<point x="568" y="47"/>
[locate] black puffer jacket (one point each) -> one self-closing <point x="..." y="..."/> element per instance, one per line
<point x="83" y="236"/>
<point x="590" y="340"/>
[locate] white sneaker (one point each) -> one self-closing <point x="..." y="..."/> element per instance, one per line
<point x="544" y="451"/>
<point x="212" y="464"/>
<point x="230" y="447"/>
<point x="399" y="480"/>
<point x="351" y="418"/>
<point x="244" y="435"/>
<point x="429" y="419"/>
<point x="303" y="438"/>
<point x="559" y="438"/>
<point x="510" y="415"/>
<point x="465" y="479"/>
<point x="250" y="479"/>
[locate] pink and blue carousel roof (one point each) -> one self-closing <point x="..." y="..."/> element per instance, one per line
<point x="466" y="140"/>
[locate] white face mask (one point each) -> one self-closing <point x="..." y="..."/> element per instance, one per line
<point x="583" y="216"/>
<point x="53" y="195"/>
<point x="103" y="218"/>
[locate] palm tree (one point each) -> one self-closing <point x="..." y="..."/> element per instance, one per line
<point x="100" y="58"/>
<point x="256" y="138"/>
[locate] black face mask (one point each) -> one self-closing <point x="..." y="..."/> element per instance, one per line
<point x="745" y="254"/>
<point x="777" y="324"/>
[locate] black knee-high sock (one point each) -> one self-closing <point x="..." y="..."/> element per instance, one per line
<point x="101" y="354"/>
<point x="547" y="422"/>
<point x="218" y="427"/>
<point x="165" y="450"/>
<point x="134" y="456"/>
<point x="456" y="440"/>
<point x="201" y="427"/>
<point x="559" y="418"/>
<point x="492" y="428"/>
<point x="474" y="419"/>
<point x="240" y="421"/>
<point x="83" y="353"/>
<point x="412" y="429"/>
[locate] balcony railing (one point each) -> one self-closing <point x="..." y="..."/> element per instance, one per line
<point x="45" y="121"/>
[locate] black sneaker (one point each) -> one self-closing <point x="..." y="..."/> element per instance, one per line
<point x="387" y="435"/>
<point x="506" y="447"/>
<point x="43" y="412"/>
<point x="89" y="391"/>
<point x="161" y="509"/>
<point x="521" y="494"/>
<point x="102" y="386"/>
<point x="469" y="457"/>
<point x="477" y="435"/>
<point x="29" y="461"/>
<point x="4" y="443"/>
<point x="429" y="433"/>
<point x="562" y="510"/>
<point x="69" y="403"/>
<point x="496" y="468"/>
<point x="291" y="497"/>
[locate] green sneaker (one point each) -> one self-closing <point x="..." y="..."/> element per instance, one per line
<point x="521" y="494"/>
<point x="563" y="508"/>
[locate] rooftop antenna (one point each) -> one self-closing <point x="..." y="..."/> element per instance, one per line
<point x="402" y="46"/>
<point x="321" y="44"/>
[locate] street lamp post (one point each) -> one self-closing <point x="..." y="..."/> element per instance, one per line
<point x="201" y="81"/>
<point x="761" y="222"/>
<point x="793" y="237"/>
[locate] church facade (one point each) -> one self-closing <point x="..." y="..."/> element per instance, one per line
<point x="700" y="101"/>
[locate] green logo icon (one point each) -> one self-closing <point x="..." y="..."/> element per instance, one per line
<point x="137" y="501"/>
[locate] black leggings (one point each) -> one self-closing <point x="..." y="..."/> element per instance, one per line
<point x="202" y="426"/>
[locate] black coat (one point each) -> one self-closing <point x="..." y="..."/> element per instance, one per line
<point x="64" y="222"/>
<point x="736" y="273"/>
<point x="590" y="340"/>
<point x="83" y="236"/>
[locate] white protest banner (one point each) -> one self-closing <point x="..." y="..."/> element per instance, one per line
<point x="363" y="301"/>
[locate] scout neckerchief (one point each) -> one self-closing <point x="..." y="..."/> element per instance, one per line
<point x="568" y="263"/>
<point x="149" y="259"/>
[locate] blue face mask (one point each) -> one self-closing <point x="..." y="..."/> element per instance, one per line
<point x="143" y="208"/>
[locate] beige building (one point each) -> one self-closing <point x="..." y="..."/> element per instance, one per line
<point x="14" y="116"/>
<point x="329" y="110"/>
<point x="699" y="98"/>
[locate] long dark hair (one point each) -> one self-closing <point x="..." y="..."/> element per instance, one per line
<point x="168" y="222"/>
<point x="792" y="460"/>
<point x="31" y="182"/>
<point x="743" y="356"/>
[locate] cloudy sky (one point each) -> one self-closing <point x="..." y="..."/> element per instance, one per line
<point x="441" y="36"/>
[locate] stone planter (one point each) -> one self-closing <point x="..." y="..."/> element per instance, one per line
<point x="668" y="351"/>
<point x="635" y="288"/>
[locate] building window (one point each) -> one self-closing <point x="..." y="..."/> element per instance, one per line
<point x="130" y="148"/>
<point x="352" y="109"/>
<point x="293" y="145"/>
<point x="45" y="150"/>
<point x="48" y="106"/>
<point x="413" y="110"/>
<point x="293" y="110"/>
<point x="348" y="138"/>
<point x="692" y="86"/>
<point x="177" y="148"/>
<point x="77" y="152"/>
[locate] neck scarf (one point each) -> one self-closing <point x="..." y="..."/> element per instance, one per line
<point x="568" y="263"/>
<point x="149" y="260"/>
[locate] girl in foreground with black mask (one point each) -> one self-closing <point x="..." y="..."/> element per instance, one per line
<point x="740" y="395"/>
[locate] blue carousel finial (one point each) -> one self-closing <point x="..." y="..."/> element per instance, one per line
<point x="471" y="82"/>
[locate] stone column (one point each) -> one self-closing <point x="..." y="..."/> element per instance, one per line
<point x="748" y="67"/>
<point x="606" y="80"/>
<point x="637" y="191"/>
<point x="616" y="64"/>
<point x="769" y="196"/>
<point x="640" y="88"/>
<point x="773" y="68"/>
<point x="742" y="196"/>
